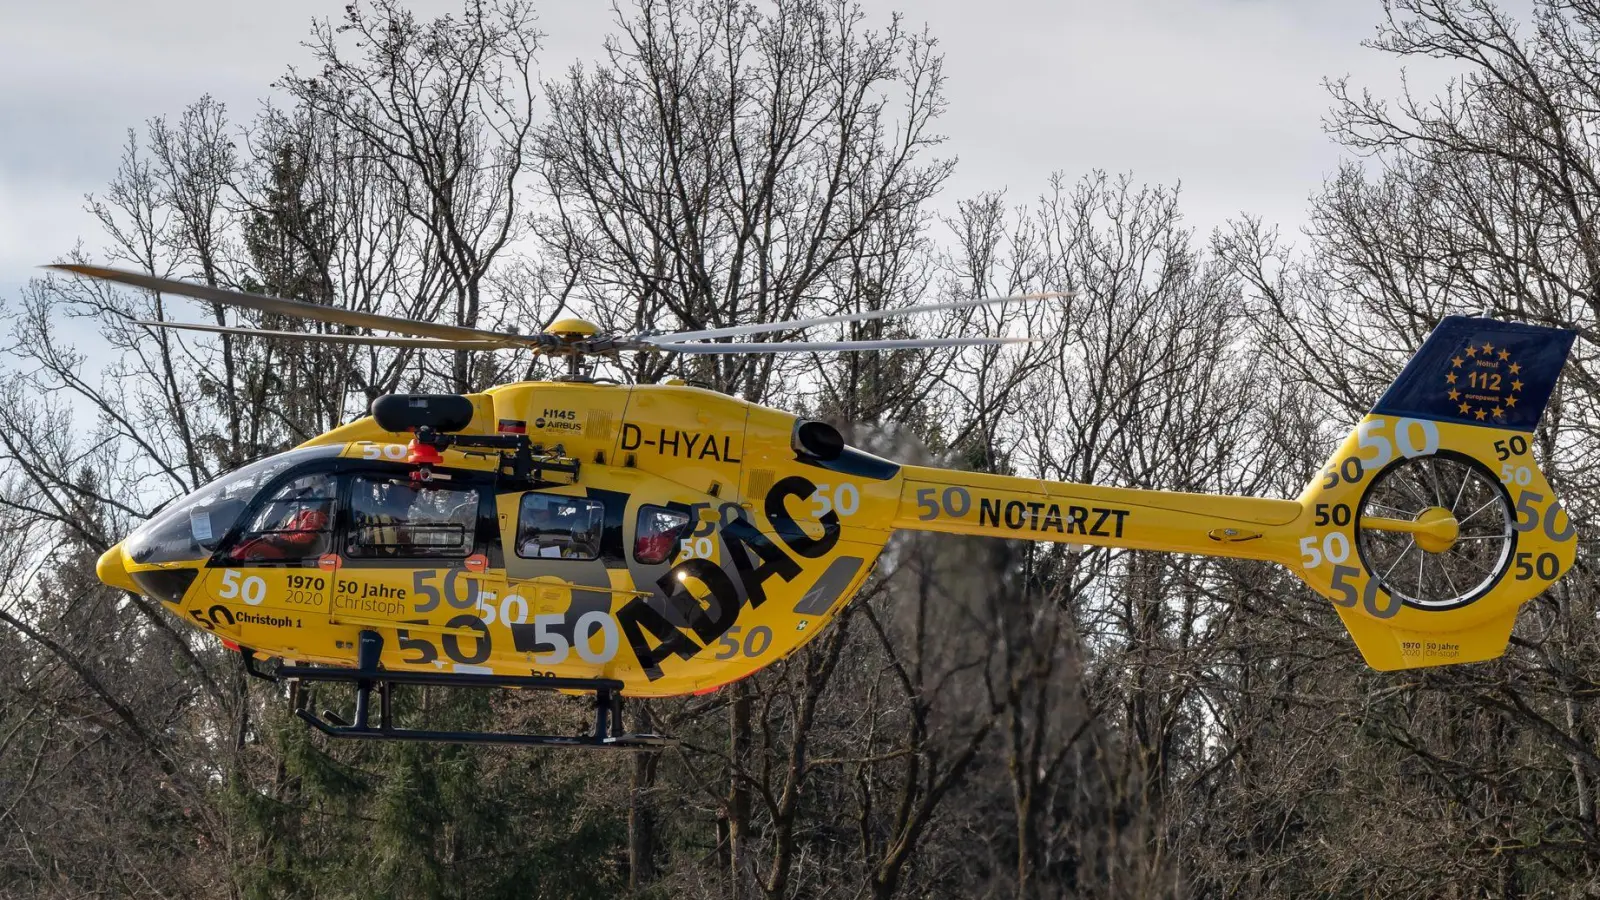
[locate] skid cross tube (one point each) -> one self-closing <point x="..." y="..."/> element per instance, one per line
<point x="608" y="733"/>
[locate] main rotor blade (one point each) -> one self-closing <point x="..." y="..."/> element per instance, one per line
<point x="362" y="339"/>
<point x="303" y="310"/>
<point x="796" y="324"/>
<point x="845" y="346"/>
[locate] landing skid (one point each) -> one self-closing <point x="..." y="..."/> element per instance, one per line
<point x="608" y="733"/>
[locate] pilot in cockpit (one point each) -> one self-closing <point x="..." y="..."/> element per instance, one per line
<point x="299" y="529"/>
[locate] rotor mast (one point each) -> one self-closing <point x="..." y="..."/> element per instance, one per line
<point x="573" y="335"/>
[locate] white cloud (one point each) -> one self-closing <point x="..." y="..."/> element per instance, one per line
<point x="80" y="73"/>
<point x="1222" y="94"/>
<point x="1225" y="96"/>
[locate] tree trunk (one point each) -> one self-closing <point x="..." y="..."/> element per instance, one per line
<point x="641" y="822"/>
<point x="738" y="794"/>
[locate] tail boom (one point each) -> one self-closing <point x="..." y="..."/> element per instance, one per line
<point x="1428" y="529"/>
<point x="972" y="503"/>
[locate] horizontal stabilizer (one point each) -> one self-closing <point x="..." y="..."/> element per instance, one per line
<point x="1389" y="649"/>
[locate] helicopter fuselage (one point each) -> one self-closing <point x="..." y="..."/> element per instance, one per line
<point x="671" y="540"/>
<point x="708" y="544"/>
<point x="749" y="552"/>
<point x="660" y="539"/>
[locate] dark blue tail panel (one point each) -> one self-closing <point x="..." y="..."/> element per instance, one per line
<point x="1480" y="372"/>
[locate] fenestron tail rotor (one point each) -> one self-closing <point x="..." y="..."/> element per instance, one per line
<point x="573" y="338"/>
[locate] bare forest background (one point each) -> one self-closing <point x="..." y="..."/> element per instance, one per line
<point x="987" y="719"/>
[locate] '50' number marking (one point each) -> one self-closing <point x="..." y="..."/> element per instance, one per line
<point x="1333" y="547"/>
<point x="252" y="590"/>
<point x="396" y="452"/>
<point x="1376" y="448"/>
<point x="844" y="499"/>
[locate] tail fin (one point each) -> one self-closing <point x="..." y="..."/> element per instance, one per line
<point x="1432" y="525"/>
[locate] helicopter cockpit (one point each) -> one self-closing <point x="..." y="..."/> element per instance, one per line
<point x="283" y="510"/>
<point x="192" y="526"/>
<point x="362" y="504"/>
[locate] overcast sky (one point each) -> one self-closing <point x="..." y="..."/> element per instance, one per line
<point x="1224" y="95"/>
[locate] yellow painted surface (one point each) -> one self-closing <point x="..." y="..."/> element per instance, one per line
<point x="778" y="544"/>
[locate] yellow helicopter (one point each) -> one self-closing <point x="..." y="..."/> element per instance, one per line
<point x="658" y="540"/>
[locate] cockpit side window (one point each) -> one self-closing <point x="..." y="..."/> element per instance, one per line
<point x="550" y="526"/>
<point x="191" y="527"/>
<point x="656" y="534"/>
<point x="295" y="523"/>
<point x="392" y="518"/>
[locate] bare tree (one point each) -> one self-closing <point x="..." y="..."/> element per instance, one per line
<point x="726" y="160"/>
<point x="445" y="108"/>
<point x="987" y="719"/>
<point x="1477" y="200"/>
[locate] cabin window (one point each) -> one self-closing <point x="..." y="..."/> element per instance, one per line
<point x="550" y="526"/>
<point x="295" y="523"/>
<point x="398" y="519"/>
<point x="656" y="534"/>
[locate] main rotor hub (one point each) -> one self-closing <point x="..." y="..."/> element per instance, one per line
<point x="572" y="329"/>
